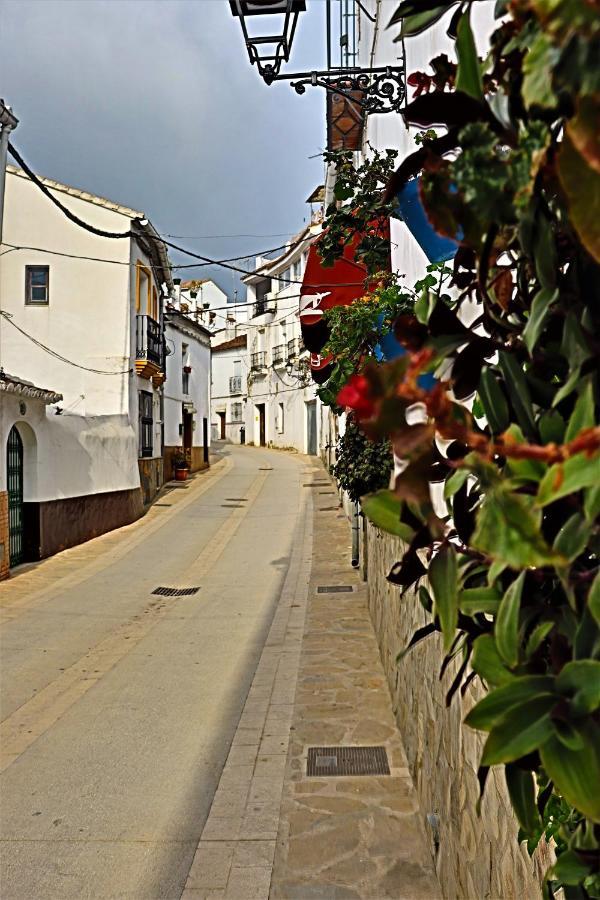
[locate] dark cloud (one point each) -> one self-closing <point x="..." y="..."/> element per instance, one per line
<point x="153" y="103"/>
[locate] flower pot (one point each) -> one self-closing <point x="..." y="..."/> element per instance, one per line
<point x="436" y="247"/>
<point x="181" y="474"/>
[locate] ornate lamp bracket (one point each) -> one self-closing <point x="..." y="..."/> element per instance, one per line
<point x="379" y="90"/>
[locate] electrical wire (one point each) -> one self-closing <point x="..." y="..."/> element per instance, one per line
<point x="9" y="319"/>
<point x="205" y="259"/>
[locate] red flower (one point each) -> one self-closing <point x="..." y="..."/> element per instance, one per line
<point x="357" y="395"/>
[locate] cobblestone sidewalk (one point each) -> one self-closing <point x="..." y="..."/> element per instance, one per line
<point x="274" y="832"/>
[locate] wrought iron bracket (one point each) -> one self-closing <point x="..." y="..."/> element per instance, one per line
<point x="380" y="90"/>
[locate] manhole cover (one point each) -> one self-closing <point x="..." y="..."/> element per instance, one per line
<point x="175" y="592"/>
<point x="335" y="589"/>
<point x="347" y="761"/>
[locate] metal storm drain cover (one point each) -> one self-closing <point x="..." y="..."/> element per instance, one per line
<point x="175" y="592"/>
<point x="163" y="504"/>
<point x="232" y="506"/>
<point x="265" y="468"/>
<point x="237" y="499"/>
<point x="317" y="484"/>
<point x="328" y="508"/>
<point x="347" y="761"/>
<point x="335" y="589"/>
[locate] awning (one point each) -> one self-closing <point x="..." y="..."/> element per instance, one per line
<point x="324" y="288"/>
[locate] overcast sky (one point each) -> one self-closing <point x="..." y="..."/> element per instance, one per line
<point x="154" y="104"/>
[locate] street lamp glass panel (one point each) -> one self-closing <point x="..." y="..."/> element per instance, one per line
<point x="276" y="26"/>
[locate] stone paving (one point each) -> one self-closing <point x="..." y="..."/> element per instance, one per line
<point x="273" y="832"/>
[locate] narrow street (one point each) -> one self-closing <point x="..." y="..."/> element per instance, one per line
<point x="118" y="705"/>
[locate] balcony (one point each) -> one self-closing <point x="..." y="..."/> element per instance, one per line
<point x="148" y="347"/>
<point x="292" y="348"/>
<point x="265" y="304"/>
<point x="258" y="361"/>
<point x="235" y="384"/>
<point x="279" y="355"/>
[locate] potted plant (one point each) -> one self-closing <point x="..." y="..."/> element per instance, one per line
<point x="180" y="465"/>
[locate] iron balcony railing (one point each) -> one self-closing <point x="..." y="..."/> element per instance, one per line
<point x="260" y="308"/>
<point x="235" y="384"/>
<point x="278" y="354"/>
<point x="149" y="342"/>
<point x="258" y="360"/>
<point x="292" y="348"/>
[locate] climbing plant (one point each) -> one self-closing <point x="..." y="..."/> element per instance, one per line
<point x="512" y="173"/>
<point x="361" y="465"/>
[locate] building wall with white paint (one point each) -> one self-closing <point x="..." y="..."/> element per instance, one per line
<point x="229" y="386"/>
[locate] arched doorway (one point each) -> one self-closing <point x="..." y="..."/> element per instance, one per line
<point x="14" y="474"/>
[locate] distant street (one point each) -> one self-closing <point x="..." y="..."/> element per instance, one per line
<point x="118" y="705"/>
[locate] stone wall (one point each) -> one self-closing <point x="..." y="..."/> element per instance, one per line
<point x="477" y="857"/>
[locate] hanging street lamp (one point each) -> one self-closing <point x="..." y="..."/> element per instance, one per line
<point x="377" y="89"/>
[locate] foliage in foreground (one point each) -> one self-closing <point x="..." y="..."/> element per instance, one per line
<point x="362" y="466"/>
<point x="514" y="577"/>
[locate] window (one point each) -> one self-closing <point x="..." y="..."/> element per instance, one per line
<point x="143" y="299"/>
<point x="284" y="278"/>
<point x="185" y="382"/>
<point x="236" y="412"/>
<point x="280" y="419"/>
<point x="146" y="423"/>
<point x="37" y="283"/>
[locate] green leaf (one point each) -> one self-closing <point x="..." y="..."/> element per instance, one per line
<point x="580" y="679"/>
<point x="582" y="187"/>
<point x="425" y="306"/>
<point x="479" y="600"/>
<point x="519" y="392"/>
<point x="538" y="65"/>
<point x="572" y="538"/>
<point x="496" y="704"/>
<point x="486" y="661"/>
<point x="523" y="469"/>
<point x="443" y="578"/>
<point x="468" y="73"/>
<point x="570" y="868"/>
<point x="493" y="402"/>
<point x="552" y="427"/>
<point x="591" y="503"/>
<point x="568" y="734"/>
<point x="573" y="475"/>
<point x="539" y="633"/>
<point x="383" y="509"/>
<point x="455" y="482"/>
<point x="521" y="730"/>
<point x="506" y="630"/>
<point x="508" y="530"/>
<point x="413" y="25"/>
<point x="540" y="310"/>
<point x="594" y="598"/>
<point x="582" y="416"/>
<point x="495" y="571"/>
<point x="521" y="790"/>
<point x="544" y="251"/>
<point x="576" y="773"/>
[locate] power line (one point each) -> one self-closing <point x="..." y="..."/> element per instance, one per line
<point x="205" y="259"/>
<point x="8" y="317"/>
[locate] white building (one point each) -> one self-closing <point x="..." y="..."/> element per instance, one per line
<point x="82" y="314"/>
<point x="208" y="304"/>
<point x="186" y="390"/>
<point x="229" y="385"/>
<point x="283" y="409"/>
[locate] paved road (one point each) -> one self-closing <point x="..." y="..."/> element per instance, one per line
<point x="119" y="706"/>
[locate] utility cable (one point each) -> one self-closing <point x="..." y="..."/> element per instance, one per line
<point x="8" y="317"/>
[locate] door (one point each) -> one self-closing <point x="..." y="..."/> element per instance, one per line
<point x="14" y="473"/>
<point x="262" y="427"/>
<point x="311" y="427"/>
<point x="188" y="428"/>
<point x="221" y="416"/>
<point x="205" y="440"/>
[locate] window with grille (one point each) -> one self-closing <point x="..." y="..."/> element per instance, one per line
<point x="236" y="412"/>
<point x="146" y="424"/>
<point x="280" y="419"/>
<point x="37" y="284"/>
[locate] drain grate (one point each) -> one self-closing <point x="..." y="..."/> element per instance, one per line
<point x="335" y="589"/>
<point x="265" y="468"/>
<point x="237" y="499"/>
<point x="334" y="761"/>
<point x="317" y="484"/>
<point x="175" y="592"/>
<point x="163" y="504"/>
<point x="326" y="493"/>
<point x="328" y="508"/>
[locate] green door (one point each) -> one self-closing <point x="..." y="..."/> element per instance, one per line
<point x="14" y="472"/>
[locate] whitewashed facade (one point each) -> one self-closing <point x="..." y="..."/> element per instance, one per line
<point x="229" y="385"/>
<point x="283" y="409"/>
<point x="86" y="319"/>
<point x="186" y="390"/>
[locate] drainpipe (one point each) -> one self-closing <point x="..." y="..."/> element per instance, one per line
<point x="355" y="534"/>
<point x="8" y="122"/>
